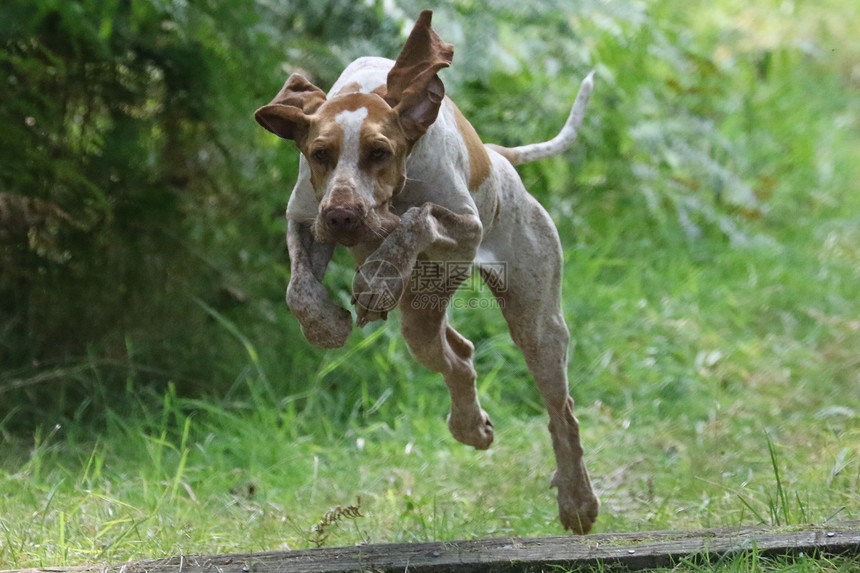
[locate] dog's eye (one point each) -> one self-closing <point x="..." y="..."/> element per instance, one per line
<point x="320" y="156"/>
<point x="378" y="154"/>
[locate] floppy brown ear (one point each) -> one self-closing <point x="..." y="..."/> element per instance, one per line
<point x="283" y="120"/>
<point x="413" y="88"/>
<point x="287" y="114"/>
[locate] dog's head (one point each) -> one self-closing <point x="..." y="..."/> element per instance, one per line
<point x="356" y="143"/>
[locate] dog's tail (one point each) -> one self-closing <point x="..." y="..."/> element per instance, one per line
<point x="567" y="135"/>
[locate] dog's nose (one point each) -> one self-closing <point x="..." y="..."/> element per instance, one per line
<point x="342" y="218"/>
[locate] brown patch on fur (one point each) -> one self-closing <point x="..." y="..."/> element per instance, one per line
<point x="350" y="88"/>
<point x="479" y="160"/>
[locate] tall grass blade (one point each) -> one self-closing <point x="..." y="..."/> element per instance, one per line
<point x="780" y="506"/>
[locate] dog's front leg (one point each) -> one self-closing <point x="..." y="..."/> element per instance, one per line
<point x="439" y="233"/>
<point x="323" y="323"/>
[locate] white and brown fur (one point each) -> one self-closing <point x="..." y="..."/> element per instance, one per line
<point x="392" y="169"/>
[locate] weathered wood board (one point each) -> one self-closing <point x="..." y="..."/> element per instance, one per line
<point x="632" y="550"/>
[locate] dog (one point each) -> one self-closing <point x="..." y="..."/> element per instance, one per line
<point x="391" y="169"/>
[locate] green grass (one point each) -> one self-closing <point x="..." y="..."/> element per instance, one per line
<point x="717" y="384"/>
<point x="713" y="389"/>
<point x="753" y="562"/>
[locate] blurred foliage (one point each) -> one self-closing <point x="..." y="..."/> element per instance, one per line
<point x="134" y="181"/>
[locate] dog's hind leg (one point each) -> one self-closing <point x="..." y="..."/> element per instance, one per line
<point x="442" y="349"/>
<point x="530" y="296"/>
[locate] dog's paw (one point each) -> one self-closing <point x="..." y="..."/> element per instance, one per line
<point x="476" y="432"/>
<point x="323" y="323"/>
<point x="329" y="328"/>
<point x="577" y="508"/>
<point x="578" y="515"/>
<point x="376" y="289"/>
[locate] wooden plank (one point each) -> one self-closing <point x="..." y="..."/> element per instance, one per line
<point x="632" y="550"/>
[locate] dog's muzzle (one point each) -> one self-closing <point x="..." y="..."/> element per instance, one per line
<point x="343" y="223"/>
